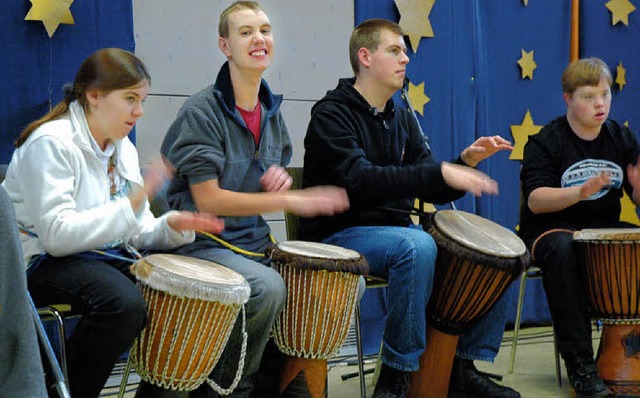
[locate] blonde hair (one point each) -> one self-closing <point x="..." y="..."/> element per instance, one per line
<point x="223" y="25"/>
<point x="585" y="72"/>
<point x="367" y="35"/>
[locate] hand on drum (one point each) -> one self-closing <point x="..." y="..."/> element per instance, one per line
<point x="316" y="201"/>
<point x="186" y="220"/>
<point x="467" y="179"/>
<point x="594" y="185"/>
<point x="276" y="179"/>
<point x="484" y="147"/>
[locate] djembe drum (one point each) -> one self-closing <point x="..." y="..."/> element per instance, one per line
<point x="477" y="261"/>
<point x="322" y="291"/>
<point x="612" y="272"/>
<point x="192" y="307"/>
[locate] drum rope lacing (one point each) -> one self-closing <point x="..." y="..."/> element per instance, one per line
<point x="326" y="334"/>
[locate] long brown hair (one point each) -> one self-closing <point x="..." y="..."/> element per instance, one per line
<point x="106" y="70"/>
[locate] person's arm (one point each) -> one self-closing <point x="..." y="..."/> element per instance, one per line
<point x="551" y="200"/>
<point x="210" y="198"/>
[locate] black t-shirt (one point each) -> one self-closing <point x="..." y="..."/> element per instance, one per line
<point x="556" y="157"/>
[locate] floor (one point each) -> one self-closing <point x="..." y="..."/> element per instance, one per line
<point x="533" y="376"/>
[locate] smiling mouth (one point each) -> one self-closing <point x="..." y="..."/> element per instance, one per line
<point x="258" y="53"/>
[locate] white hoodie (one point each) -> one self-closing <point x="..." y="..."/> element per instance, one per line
<point x="59" y="189"/>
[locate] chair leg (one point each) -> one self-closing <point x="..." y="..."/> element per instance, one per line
<point x="125" y="377"/>
<point x="62" y="336"/>
<point x="61" y="385"/>
<point x="363" y="391"/>
<point x="516" y="325"/>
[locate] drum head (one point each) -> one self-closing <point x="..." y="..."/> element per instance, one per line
<point x="608" y="234"/>
<point x="480" y="234"/>
<point x="191" y="277"/>
<point x="318" y="250"/>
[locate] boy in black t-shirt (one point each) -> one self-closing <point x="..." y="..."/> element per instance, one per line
<point x="573" y="174"/>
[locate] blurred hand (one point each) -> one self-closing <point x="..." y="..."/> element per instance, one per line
<point x="467" y="179"/>
<point x="484" y="147"/>
<point x="276" y="179"/>
<point x="315" y="201"/>
<point x="156" y="174"/>
<point x="594" y="185"/>
<point x="186" y="220"/>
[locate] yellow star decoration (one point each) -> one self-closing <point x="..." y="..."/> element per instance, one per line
<point x="521" y="134"/>
<point x="626" y="123"/>
<point x="418" y="98"/>
<point x="526" y="2"/>
<point x="414" y="20"/>
<point x="527" y="64"/>
<point x="620" y="10"/>
<point x="621" y="76"/>
<point x="628" y="211"/>
<point x="51" y="12"/>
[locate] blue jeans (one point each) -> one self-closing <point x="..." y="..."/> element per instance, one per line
<point x="405" y="256"/>
<point x="482" y="340"/>
<point x="268" y="295"/>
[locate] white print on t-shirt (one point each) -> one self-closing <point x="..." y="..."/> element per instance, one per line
<point x="578" y="173"/>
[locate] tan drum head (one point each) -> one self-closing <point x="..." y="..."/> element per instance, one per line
<point x="608" y="234"/>
<point x="191" y="277"/>
<point x="318" y="250"/>
<point x="480" y="234"/>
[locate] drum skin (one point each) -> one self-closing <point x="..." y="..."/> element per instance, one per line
<point x="322" y="289"/>
<point x="477" y="261"/>
<point x="612" y="274"/>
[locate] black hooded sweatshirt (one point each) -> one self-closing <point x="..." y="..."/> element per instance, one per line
<point x="380" y="158"/>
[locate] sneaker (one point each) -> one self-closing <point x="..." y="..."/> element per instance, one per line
<point x="585" y="380"/>
<point x="468" y="381"/>
<point x="392" y="383"/>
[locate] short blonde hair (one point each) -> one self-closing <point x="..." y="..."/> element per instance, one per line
<point x="585" y="72"/>
<point x="223" y="25"/>
<point x="367" y="35"/>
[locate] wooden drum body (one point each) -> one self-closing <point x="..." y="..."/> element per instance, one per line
<point x="192" y="307"/>
<point x="477" y="261"/>
<point x="322" y="291"/>
<point x="612" y="267"/>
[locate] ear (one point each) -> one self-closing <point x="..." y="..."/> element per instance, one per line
<point x="93" y="97"/>
<point x="223" y="45"/>
<point x="364" y="57"/>
<point x="567" y="98"/>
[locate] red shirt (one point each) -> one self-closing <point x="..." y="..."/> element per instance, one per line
<point x="252" y="120"/>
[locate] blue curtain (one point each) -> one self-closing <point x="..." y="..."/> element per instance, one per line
<point x="34" y="67"/>
<point x="472" y="77"/>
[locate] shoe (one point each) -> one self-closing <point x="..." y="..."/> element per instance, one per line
<point x="472" y="383"/>
<point x="392" y="383"/>
<point x="584" y="378"/>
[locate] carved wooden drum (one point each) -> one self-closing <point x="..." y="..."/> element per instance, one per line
<point x="612" y="268"/>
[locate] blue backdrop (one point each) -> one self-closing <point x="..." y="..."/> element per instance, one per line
<point x="34" y="67"/>
<point x="475" y="86"/>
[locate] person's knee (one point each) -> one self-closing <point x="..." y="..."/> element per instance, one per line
<point x="132" y="308"/>
<point x="420" y="248"/>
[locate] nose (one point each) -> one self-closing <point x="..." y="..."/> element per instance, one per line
<point x="138" y="111"/>
<point x="258" y="38"/>
<point x="404" y="58"/>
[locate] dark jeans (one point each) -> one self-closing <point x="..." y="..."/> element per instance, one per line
<point x="563" y="279"/>
<point x="112" y="308"/>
